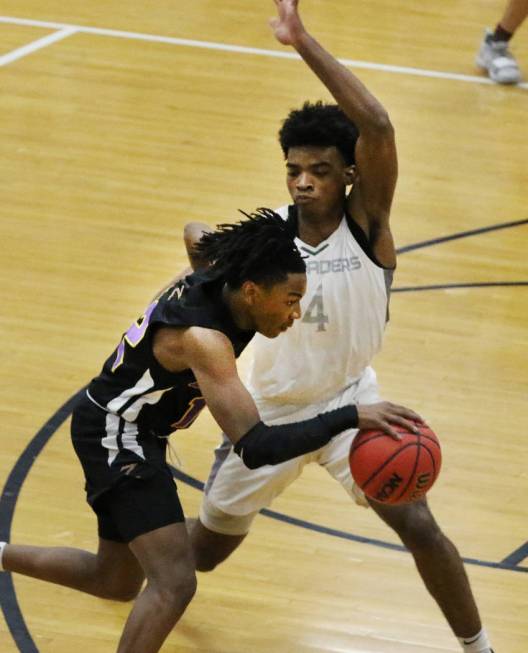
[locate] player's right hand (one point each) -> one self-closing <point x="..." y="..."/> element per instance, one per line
<point x="287" y="26"/>
<point x="380" y="416"/>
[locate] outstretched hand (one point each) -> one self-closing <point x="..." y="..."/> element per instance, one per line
<point x="383" y="414"/>
<point x="287" y="26"/>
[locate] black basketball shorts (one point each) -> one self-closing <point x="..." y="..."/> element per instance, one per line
<point x="128" y="483"/>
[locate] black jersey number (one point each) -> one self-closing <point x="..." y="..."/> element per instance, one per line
<point x="193" y="410"/>
<point x="315" y="314"/>
<point x="134" y="335"/>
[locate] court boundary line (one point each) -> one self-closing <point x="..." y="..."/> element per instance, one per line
<point x="241" y="49"/>
<point x="34" y="46"/>
<point x="504" y="564"/>
<point x="461" y="234"/>
<point x="459" y="286"/>
<point x="517" y="556"/>
<point x="8" y="499"/>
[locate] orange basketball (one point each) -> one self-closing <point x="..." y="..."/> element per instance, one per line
<point x="391" y="471"/>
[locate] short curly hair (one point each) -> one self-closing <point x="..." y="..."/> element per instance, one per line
<point x="320" y="125"/>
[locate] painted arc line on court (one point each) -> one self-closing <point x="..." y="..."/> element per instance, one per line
<point x="455" y="286"/>
<point x="461" y="234"/>
<point x="517" y="556"/>
<point x="241" y="49"/>
<point x="23" y="51"/>
<point x="8" y="499"/>
<point x="11" y="491"/>
<point x="311" y="526"/>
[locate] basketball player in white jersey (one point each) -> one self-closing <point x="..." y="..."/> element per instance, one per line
<point x="325" y="362"/>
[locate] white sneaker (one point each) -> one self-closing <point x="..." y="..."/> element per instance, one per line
<point x="2" y="547"/>
<point x="498" y="61"/>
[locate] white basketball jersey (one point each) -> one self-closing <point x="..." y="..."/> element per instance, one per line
<point x="344" y="312"/>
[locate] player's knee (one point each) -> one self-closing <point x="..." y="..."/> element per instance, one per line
<point x="205" y="565"/>
<point x="206" y="560"/>
<point x="187" y="588"/>
<point x="425" y="537"/>
<point x="211" y="549"/>
<point x="175" y="592"/>
<point x="121" y="590"/>
<point x="126" y="594"/>
<point x="420" y="532"/>
<point x="214" y="543"/>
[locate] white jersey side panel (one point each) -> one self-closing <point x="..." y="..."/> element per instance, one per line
<point x="344" y="313"/>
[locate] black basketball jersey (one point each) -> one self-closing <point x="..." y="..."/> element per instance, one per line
<point x="135" y="387"/>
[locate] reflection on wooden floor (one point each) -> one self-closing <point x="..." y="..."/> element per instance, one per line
<point x="110" y="145"/>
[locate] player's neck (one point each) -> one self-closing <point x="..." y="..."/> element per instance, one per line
<point x="315" y="228"/>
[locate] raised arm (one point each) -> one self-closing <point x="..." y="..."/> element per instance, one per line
<point x="376" y="159"/>
<point x="210" y="356"/>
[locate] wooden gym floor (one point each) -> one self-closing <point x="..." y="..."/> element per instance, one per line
<point x="116" y="129"/>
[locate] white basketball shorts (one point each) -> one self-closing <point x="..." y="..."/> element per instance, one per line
<point x="234" y="494"/>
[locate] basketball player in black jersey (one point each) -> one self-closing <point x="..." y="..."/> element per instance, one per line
<point x="324" y="155"/>
<point x="179" y="356"/>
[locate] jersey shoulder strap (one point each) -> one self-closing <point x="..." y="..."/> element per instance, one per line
<point x="362" y="239"/>
<point x="197" y="301"/>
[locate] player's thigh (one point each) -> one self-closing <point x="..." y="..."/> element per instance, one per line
<point x="238" y="491"/>
<point x="117" y="559"/>
<point x="334" y="457"/>
<point x="118" y="569"/>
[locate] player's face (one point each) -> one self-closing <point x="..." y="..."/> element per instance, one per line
<point x="275" y="309"/>
<point x="317" y="178"/>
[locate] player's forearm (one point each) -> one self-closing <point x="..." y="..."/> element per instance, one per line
<point x="349" y="92"/>
<point x="271" y="445"/>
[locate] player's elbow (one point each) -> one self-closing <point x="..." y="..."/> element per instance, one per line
<point x="193" y="231"/>
<point x="380" y="124"/>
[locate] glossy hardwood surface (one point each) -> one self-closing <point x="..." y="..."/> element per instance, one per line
<point x="110" y="145"/>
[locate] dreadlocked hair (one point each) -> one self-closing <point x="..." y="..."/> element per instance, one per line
<point x="260" y="249"/>
<point x="320" y="125"/>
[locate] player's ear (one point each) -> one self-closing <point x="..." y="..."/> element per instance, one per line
<point x="350" y="175"/>
<point x="250" y="292"/>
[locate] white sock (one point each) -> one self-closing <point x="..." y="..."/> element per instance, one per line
<point x="2" y="547"/>
<point x="479" y="643"/>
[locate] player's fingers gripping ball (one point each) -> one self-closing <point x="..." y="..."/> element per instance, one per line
<point x="391" y="471"/>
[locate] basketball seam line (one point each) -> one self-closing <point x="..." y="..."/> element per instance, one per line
<point x="385" y="463"/>
<point x="418" y="447"/>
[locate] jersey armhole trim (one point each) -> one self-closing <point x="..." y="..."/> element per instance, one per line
<point x="362" y="240"/>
